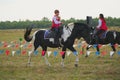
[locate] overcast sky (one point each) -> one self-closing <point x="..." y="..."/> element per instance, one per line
<point x="37" y="9"/>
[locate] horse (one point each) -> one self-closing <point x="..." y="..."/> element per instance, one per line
<point x="39" y="40"/>
<point x="85" y="31"/>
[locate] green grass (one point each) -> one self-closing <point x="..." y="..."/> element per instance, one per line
<point x="91" y="68"/>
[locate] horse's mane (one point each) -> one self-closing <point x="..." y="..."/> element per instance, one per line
<point x="70" y="24"/>
<point x="82" y="25"/>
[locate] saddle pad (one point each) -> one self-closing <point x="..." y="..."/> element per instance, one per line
<point x="49" y="34"/>
<point x="103" y="35"/>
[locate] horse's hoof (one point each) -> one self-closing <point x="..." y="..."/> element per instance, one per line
<point x="99" y="56"/>
<point x="76" y="65"/>
<point x="28" y="64"/>
<point x="111" y="57"/>
<point x="49" y="65"/>
<point x="62" y="64"/>
<point x="86" y="56"/>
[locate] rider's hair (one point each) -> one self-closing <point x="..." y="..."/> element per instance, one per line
<point x="56" y="11"/>
<point x="101" y="16"/>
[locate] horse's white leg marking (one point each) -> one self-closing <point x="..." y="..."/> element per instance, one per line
<point x="46" y="60"/>
<point x="111" y="53"/>
<point x="87" y="53"/>
<point x="30" y="54"/>
<point x="76" y="61"/>
<point x="89" y="46"/>
<point x="62" y="63"/>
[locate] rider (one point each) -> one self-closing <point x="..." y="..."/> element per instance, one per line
<point x="102" y="27"/>
<point x="56" y="23"/>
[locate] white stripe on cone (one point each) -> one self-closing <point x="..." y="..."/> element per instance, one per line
<point x="21" y="46"/>
<point x="49" y="53"/>
<point x="9" y="46"/>
<point x="68" y="53"/>
<point x="13" y="53"/>
<point x="29" y="52"/>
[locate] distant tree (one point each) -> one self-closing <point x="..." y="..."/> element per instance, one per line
<point x="45" y="19"/>
<point x="46" y="23"/>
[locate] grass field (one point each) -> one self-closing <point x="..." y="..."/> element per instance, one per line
<point x="91" y="68"/>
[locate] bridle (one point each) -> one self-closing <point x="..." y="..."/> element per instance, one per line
<point x="91" y="34"/>
<point x="68" y="28"/>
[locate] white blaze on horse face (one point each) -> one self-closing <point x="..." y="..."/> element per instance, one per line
<point x="67" y="31"/>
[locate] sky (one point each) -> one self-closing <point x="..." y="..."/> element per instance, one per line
<point x="15" y="10"/>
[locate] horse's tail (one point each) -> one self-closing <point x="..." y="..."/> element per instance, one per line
<point x="27" y="36"/>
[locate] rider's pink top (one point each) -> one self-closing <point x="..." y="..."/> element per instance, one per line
<point x="56" y="22"/>
<point x="102" y="25"/>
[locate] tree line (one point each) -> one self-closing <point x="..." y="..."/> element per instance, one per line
<point x="46" y="23"/>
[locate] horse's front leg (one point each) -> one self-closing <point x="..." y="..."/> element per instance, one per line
<point x="43" y="54"/>
<point x="63" y="56"/>
<point x="29" y="57"/>
<point x="31" y="52"/>
<point x="112" y="52"/>
<point x="76" y="54"/>
<point x="98" y="50"/>
<point x="87" y="50"/>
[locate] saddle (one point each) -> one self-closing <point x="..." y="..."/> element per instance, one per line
<point x="49" y="34"/>
<point x="52" y="36"/>
<point x="102" y="35"/>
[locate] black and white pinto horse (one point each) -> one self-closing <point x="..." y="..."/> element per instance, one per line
<point x="69" y="34"/>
